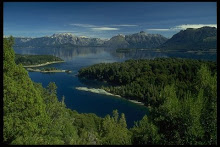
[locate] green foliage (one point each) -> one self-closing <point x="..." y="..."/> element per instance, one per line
<point x="191" y="120"/>
<point x="142" y="79"/>
<point x="33" y="114"/>
<point x="115" y="115"/>
<point x="122" y="121"/>
<point x="209" y="111"/>
<point x="35" y="59"/>
<point x="145" y="132"/>
<point x="48" y="69"/>
<point x="114" y="131"/>
<point x="181" y="96"/>
<point x="24" y="110"/>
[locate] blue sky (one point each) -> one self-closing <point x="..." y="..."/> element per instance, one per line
<point x="105" y="19"/>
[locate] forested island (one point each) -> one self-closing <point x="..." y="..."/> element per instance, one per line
<point x="181" y="95"/>
<point x="36" y="60"/>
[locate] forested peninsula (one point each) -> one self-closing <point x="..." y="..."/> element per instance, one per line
<point x="176" y="91"/>
<point x="30" y="62"/>
<point x="143" y="79"/>
<point x="36" y="60"/>
<point x="182" y="97"/>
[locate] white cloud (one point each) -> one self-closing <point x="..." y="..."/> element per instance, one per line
<point x="64" y="31"/>
<point x="184" y="27"/>
<point x="93" y="26"/>
<point x="83" y="25"/>
<point x="158" y="29"/>
<point x="104" y="29"/>
<point x="125" y="25"/>
<point x="195" y="26"/>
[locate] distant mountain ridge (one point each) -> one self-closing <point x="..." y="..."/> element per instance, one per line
<point x="193" y="39"/>
<point x="58" y="39"/>
<point x="204" y="38"/>
<point x="137" y="40"/>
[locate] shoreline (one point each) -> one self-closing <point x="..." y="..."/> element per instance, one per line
<point x="44" y="64"/>
<point x="38" y="70"/>
<point x="96" y="90"/>
<point x="137" y="102"/>
<point x="102" y="91"/>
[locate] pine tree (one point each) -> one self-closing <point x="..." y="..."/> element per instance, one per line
<point x="115" y="115"/>
<point x="63" y="101"/>
<point x="122" y="121"/>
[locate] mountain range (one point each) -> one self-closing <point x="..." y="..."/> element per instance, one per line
<point x="58" y="39"/>
<point x="137" y="40"/>
<point x="190" y="39"/>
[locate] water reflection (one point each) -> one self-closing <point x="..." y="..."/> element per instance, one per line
<point x="111" y="54"/>
<point x="138" y="54"/>
<point x="66" y="54"/>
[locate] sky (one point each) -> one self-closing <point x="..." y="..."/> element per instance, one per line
<point x="105" y="19"/>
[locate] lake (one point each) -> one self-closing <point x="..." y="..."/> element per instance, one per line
<point x="87" y="102"/>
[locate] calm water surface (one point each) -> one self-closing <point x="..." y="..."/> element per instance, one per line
<point x="86" y="102"/>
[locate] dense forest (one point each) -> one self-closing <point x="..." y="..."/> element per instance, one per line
<point x="35" y="59"/>
<point x="177" y="92"/>
<point x="142" y="79"/>
<point x="33" y="115"/>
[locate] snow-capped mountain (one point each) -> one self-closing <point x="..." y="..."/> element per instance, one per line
<point x="58" y="39"/>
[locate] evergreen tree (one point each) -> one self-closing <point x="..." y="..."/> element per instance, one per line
<point x="115" y="115"/>
<point x="63" y="101"/>
<point x="122" y="121"/>
<point x="24" y="111"/>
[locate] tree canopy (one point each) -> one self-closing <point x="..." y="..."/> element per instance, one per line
<point x="181" y="96"/>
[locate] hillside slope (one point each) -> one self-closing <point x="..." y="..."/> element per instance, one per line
<point x="192" y="39"/>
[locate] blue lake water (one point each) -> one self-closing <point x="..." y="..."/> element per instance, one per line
<point x="87" y="102"/>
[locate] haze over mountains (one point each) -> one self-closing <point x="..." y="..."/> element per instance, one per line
<point x="190" y="39"/>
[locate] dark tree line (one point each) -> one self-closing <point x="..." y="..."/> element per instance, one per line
<point x="143" y="79"/>
<point x="35" y="59"/>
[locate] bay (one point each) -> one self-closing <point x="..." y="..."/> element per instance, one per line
<point x="87" y="102"/>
